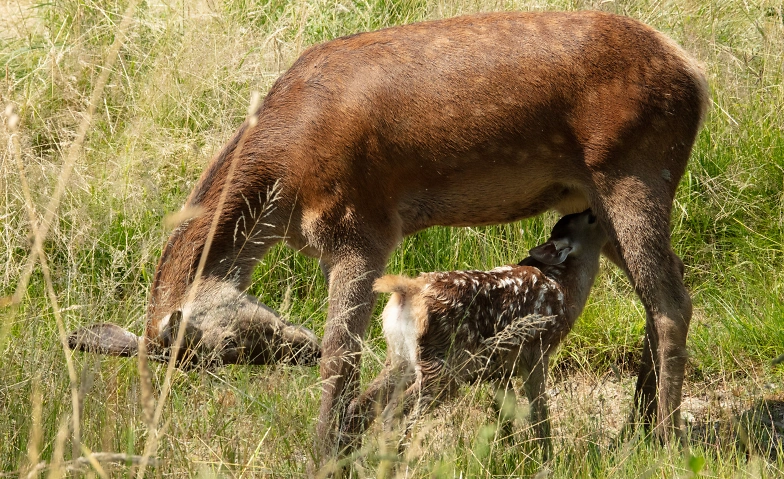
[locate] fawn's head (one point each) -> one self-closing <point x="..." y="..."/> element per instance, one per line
<point x="575" y="236"/>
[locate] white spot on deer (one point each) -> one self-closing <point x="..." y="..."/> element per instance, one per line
<point x="187" y="309"/>
<point x="164" y="322"/>
<point x="539" y="300"/>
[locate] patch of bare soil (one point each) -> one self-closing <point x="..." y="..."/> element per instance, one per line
<point x="740" y="415"/>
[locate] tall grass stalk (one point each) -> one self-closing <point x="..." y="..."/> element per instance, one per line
<point x="113" y="110"/>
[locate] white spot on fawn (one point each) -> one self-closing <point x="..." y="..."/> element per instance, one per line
<point x="501" y="269"/>
<point x="400" y="330"/>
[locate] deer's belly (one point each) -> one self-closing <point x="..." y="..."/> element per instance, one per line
<point x="487" y="206"/>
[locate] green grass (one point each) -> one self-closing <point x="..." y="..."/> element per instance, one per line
<point x="181" y="85"/>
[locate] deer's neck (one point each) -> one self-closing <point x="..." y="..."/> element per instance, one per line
<point x="238" y="224"/>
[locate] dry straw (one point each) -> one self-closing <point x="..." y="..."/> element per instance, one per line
<point x="40" y="229"/>
<point x="152" y="438"/>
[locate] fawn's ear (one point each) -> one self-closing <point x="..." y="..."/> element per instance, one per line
<point x="552" y="252"/>
<point x="104" y="338"/>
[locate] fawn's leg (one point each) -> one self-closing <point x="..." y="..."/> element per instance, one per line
<point x="505" y="404"/>
<point x="536" y="391"/>
<point x="391" y="382"/>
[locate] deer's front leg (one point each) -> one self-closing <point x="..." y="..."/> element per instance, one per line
<point x="351" y="301"/>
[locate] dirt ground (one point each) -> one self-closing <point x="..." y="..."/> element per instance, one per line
<point x="739" y="415"/>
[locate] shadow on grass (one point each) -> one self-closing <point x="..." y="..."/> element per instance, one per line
<point x="759" y="430"/>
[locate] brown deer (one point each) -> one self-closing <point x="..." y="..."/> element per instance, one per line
<point x="474" y="120"/>
<point x="445" y="329"/>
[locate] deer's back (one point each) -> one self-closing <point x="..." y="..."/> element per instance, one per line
<point x="415" y="113"/>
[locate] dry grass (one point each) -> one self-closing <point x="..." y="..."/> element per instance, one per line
<point x="104" y="165"/>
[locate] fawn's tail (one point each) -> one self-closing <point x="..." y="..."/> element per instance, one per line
<point x="393" y="283"/>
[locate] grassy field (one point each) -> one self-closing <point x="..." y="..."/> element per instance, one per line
<point x="168" y="87"/>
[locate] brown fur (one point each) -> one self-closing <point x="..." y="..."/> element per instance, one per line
<point x="473" y="120"/>
<point x="402" y="285"/>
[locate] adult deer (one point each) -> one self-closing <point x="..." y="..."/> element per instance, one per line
<point x="473" y="120"/>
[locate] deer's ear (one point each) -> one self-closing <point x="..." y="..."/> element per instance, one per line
<point x="104" y="338"/>
<point x="169" y="326"/>
<point x="550" y="253"/>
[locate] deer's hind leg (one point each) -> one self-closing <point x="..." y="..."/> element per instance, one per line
<point x="635" y="212"/>
<point x="431" y="387"/>
<point x="504" y="406"/>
